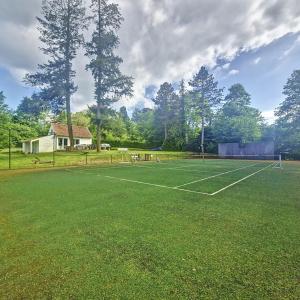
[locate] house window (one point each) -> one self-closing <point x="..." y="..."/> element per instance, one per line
<point x="76" y="141"/>
<point x="62" y="142"/>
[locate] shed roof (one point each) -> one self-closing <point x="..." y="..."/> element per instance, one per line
<point x="78" y="131"/>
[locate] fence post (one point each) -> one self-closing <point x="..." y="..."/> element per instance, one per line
<point x="86" y="158"/>
<point x="53" y="155"/>
<point x="53" y="159"/>
<point x="111" y="159"/>
<point x="9" y="148"/>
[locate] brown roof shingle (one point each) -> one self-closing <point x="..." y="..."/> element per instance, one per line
<point x="78" y="131"/>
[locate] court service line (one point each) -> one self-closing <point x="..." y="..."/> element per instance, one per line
<point x="213" y="176"/>
<point x="156" y="185"/>
<point x="242" y="179"/>
<point x="139" y="182"/>
<point x="176" y="169"/>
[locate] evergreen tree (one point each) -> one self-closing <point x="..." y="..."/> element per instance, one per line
<point x="206" y="96"/>
<point x="237" y="121"/>
<point x="183" y="112"/>
<point x="165" y="100"/>
<point x="124" y="114"/>
<point x="237" y="99"/>
<point x="5" y="121"/>
<point x="32" y="107"/>
<point x="110" y="83"/>
<point x="3" y="105"/>
<point x="144" y="120"/>
<point x="61" y="33"/>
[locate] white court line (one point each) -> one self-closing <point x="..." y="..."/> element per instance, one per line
<point x="242" y="179"/>
<point x="140" y="182"/>
<point x="213" y="176"/>
<point x="157" y="185"/>
<point x="176" y="169"/>
<point x="176" y="188"/>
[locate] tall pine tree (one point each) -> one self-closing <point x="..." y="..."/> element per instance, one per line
<point x="166" y="100"/>
<point x="206" y="95"/>
<point x="110" y="83"/>
<point x="183" y="112"/>
<point x="61" y="29"/>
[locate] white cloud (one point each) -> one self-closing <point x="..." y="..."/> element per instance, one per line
<point x="257" y="60"/>
<point x="233" y="72"/>
<point x="269" y="116"/>
<point x="161" y="40"/>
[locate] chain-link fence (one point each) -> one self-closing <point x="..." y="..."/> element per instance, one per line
<point x="15" y="159"/>
<point x="13" y="156"/>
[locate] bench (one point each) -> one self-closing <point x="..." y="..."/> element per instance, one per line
<point x="37" y="160"/>
<point x="135" y="157"/>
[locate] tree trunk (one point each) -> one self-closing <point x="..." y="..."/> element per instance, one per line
<point x="186" y="137"/>
<point x="98" y="120"/>
<point x="166" y="133"/>
<point x="69" y="122"/>
<point x="98" y="81"/>
<point x="67" y="91"/>
<point x="202" y="135"/>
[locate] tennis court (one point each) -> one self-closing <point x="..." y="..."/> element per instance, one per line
<point x="173" y="229"/>
<point x="199" y="176"/>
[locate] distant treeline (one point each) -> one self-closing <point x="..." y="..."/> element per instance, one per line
<point x="177" y="120"/>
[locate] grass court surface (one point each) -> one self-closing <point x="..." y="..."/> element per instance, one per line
<point x="178" y="229"/>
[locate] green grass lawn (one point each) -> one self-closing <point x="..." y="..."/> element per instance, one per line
<point x="151" y="231"/>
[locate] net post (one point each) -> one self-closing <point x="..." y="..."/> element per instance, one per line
<point x="53" y="150"/>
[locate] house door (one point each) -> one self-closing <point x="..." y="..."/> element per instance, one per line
<point x="62" y="143"/>
<point x="35" y="147"/>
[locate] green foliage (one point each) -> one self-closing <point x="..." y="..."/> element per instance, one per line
<point x="237" y="121"/>
<point x="5" y="120"/>
<point x="145" y="126"/>
<point x="166" y="111"/>
<point x="21" y="127"/>
<point x="288" y="113"/>
<point x="110" y="83"/>
<point x="61" y="34"/>
<point x="32" y="107"/>
<point x="124" y="114"/>
<point x="206" y="96"/>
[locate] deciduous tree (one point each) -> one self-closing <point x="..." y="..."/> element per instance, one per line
<point x="237" y="121"/>
<point x="288" y="113"/>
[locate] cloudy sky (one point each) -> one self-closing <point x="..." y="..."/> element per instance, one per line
<point x="254" y="42"/>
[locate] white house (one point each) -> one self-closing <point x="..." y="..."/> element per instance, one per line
<point x="58" y="139"/>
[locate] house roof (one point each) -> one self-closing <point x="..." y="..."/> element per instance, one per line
<point x="78" y="131"/>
